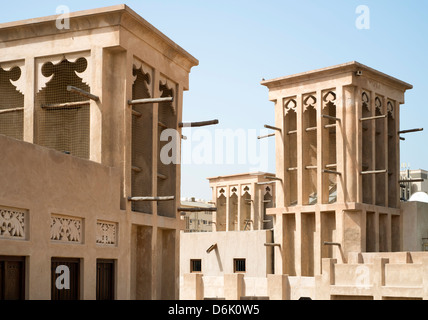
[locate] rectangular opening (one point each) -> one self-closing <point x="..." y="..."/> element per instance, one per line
<point x="329" y="155"/>
<point x="370" y="232"/>
<point x="142" y="143"/>
<point x="167" y="172"/>
<point x="11" y="103"/>
<point x="383" y="233"/>
<point x="60" y="123"/>
<point x="310" y="194"/>
<point x="393" y="174"/>
<point x="328" y="228"/>
<point x="105" y="279"/>
<point x="289" y="244"/>
<point x="239" y="266"/>
<point x="367" y="149"/>
<point x="141" y="262"/>
<point x="308" y="250"/>
<point x="395" y="233"/>
<point x="12" y="278"/>
<point x="381" y="145"/>
<point x="166" y="243"/>
<point x="290" y="152"/>
<point x="195" y="265"/>
<point x="233" y="210"/>
<point x="65" y="279"/>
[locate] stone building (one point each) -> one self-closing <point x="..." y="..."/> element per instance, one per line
<point x="80" y="151"/>
<point x="338" y="155"/>
<point x="339" y="228"/>
<point x="242" y="201"/>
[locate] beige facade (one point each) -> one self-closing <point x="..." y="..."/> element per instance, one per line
<point x="340" y="230"/>
<point x="242" y="201"/>
<point x="338" y="158"/>
<point x="68" y="189"/>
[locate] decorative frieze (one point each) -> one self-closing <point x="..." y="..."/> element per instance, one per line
<point x="66" y="229"/>
<point x="13" y="223"/>
<point x="106" y="233"/>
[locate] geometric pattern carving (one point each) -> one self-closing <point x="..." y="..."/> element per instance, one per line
<point x="366" y="101"/>
<point x="290" y="105"/>
<point x="66" y="229"/>
<point x="309" y="101"/>
<point x="12" y="224"/>
<point x="268" y="190"/>
<point x="245" y="188"/>
<point x="390" y="109"/>
<point x="221" y="192"/>
<point x="106" y="233"/>
<point x="378" y="104"/>
<point x="329" y="98"/>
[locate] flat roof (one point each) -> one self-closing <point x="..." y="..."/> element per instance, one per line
<point x="29" y="23"/>
<point x="349" y="66"/>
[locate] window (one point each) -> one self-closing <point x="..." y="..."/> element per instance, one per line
<point x="105" y="279"/>
<point x="12" y="278"/>
<point x="239" y="265"/>
<point x="195" y="266"/>
<point x="70" y="272"/>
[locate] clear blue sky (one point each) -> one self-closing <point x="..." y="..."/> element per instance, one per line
<point x="240" y="42"/>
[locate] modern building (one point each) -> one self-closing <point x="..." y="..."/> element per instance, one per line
<point x="411" y="182"/>
<point x="197" y="221"/>
<point x="82" y="183"/>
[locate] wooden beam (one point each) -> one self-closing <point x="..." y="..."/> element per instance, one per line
<point x="150" y="100"/>
<point x="374" y="172"/>
<point x="196" y="209"/>
<point x="65" y="105"/>
<point x="83" y="93"/>
<point x="410" y="131"/>
<point x="330" y="117"/>
<point x="267" y="136"/>
<point x="11" y="110"/>
<point x="198" y="124"/>
<point x="136" y="199"/>
<point x="272" y="128"/>
<point x="373" y="118"/>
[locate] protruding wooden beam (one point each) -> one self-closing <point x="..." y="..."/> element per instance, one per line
<point x="195" y="209"/>
<point x="374" y="172"/>
<point x="374" y="118"/>
<point x="273" y="178"/>
<point x="267" y="136"/>
<point x="272" y="128"/>
<point x="136" y="199"/>
<point x="410" y="131"/>
<point x="65" y="105"/>
<point x="150" y="100"/>
<point x="332" y="172"/>
<point x="11" y="110"/>
<point x="330" y="117"/>
<point x="83" y="93"/>
<point x="198" y="124"/>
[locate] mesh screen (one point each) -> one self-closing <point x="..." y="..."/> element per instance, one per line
<point x="142" y="144"/>
<point x="63" y="128"/>
<point x="166" y="183"/>
<point x="11" y="120"/>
